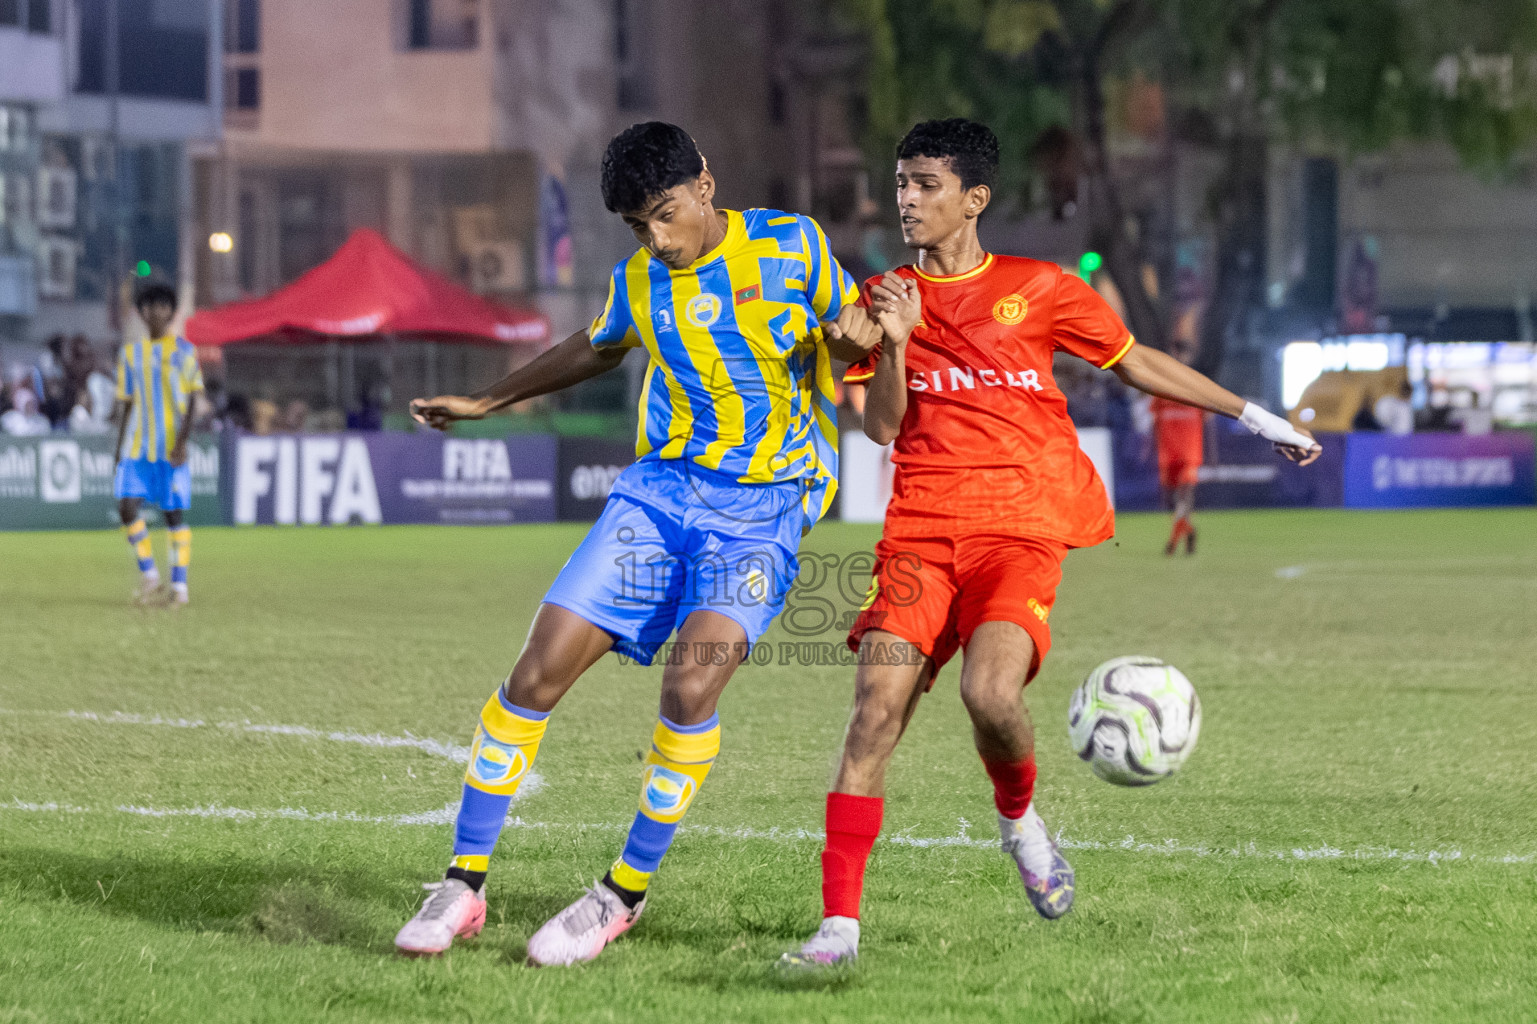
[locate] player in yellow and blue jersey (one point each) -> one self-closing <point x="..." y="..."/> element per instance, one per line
<point x="740" y="315"/>
<point x="156" y="380"/>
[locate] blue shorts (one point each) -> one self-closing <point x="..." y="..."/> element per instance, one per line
<point x="161" y="484"/>
<point x="675" y="538"/>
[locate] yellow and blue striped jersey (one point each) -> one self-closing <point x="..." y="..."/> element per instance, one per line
<point x="159" y="376"/>
<point x="739" y="380"/>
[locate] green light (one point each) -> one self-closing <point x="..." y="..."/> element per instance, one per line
<point x="141" y="268"/>
<point x="1088" y="263"/>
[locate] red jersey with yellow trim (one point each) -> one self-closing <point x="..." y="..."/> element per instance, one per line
<point x="1180" y="430"/>
<point x="986" y="445"/>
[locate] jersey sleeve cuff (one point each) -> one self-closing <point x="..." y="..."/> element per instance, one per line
<point x="1130" y="341"/>
<point x="858" y="378"/>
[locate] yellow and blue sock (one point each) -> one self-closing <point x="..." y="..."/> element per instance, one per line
<point x="680" y="758"/>
<point x="137" y="533"/>
<point x="506" y="742"/>
<point x="181" y="556"/>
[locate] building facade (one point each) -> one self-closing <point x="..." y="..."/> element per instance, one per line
<point x="470" y="132"/>
<point x="140" y="84"/>
<point x="31" y="79"/>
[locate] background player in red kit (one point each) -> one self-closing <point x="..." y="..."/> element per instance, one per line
<point x="991" y="491"/>
<point x="1179" y="430"/>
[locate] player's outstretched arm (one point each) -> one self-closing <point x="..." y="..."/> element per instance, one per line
<point x="1158" y="373"/>
<point x="571" y="362"/>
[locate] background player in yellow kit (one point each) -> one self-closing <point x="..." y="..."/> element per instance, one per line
<point x="157" y="378"/>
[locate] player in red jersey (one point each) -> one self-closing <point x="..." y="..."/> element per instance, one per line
<point x="1179" y="430"/>
<point x="991" y="491"/>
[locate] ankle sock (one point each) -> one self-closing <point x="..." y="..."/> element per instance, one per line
<point x="629" y="897"/>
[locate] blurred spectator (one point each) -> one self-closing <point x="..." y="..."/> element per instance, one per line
<point x="1394" y="413"/>
<point x="295" y="416"/>
<point x="48" y="385"/>
<point x="79" y="363"/>
<point x="1095" y="398"/>
<point x="1477" y="418"/>
<point x="212" y="413"/>
<point x="89" y="389"/>
<point x="237" y="412"/>
<point x="264" y="416"/>
<point x="326" y="421"/>
<point x="370" y="412"/>
<point x="1365" y="419"/>
<point x="23" y="418"/>
<point x="92" y="413"/>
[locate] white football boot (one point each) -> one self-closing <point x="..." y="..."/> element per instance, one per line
<point x="148" y="592"/>
<point x="835" y="943"/>
<point x="452" y="911"/>
<point x="581" y="931"/>
<point x="1047" y="875"/>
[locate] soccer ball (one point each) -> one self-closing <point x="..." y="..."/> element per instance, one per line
<point x="1135" y="720"/>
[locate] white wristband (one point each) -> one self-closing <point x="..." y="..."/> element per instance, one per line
<point x="1273" y="428"/>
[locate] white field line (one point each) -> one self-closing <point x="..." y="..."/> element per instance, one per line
<point x="446" y="814"/>
<point x="1417" y="567"/>
<point x="437" y="748"/>
<point x="533" y="783"/>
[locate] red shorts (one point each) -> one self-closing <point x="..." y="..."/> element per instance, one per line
<point x="1174" y="473"/>
<point x="934" y="591"/>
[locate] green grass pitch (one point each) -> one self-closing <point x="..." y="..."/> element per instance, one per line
<point x="1353" y="840"/>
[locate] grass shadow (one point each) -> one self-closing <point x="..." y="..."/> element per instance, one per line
<point x="284" y="903"/>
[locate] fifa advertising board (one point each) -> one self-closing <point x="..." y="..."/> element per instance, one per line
<point x="587" y="469"/>
<point x="64" y="482"/>
<point x="365" y="477"/>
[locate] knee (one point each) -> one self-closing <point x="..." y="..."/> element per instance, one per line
<point x="531" y="684"/>
<point x="127" y="511"/>
<point x="173" y="520"/>
<point x="879" y="709"/>
<point x="688" y="698"/>
<point x="990" y="695"/>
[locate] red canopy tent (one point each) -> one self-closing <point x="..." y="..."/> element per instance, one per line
<point x="367" y="288"/>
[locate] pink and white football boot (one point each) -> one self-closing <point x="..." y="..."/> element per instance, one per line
<point x="581" y="931"/>
<point x="835" y="944"/>
<point x="453" y="911"/>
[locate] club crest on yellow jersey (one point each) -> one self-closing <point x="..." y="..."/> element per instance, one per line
<point x="703" y="310"/>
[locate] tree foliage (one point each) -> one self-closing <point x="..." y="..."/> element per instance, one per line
<point x="1336" y="77"/>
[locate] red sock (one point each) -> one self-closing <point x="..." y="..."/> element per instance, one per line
<point x="853" y="822"/>
<point x="1013" y="785"/>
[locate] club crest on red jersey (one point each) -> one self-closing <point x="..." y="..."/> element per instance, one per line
<point x="1011" y="309"/>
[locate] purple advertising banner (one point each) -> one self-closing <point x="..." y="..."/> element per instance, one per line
<point x="1241" y="470"/>
<point x="1439" y="470"/>
<point x="365" y="477"/>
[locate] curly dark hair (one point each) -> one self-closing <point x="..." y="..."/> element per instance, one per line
<point x="971" y="148"/>
<point x="156" y="291"/>
<point x="645" y="160"/>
